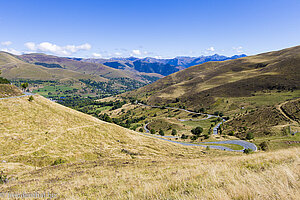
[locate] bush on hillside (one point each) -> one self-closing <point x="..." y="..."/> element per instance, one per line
<point x="161" y="132"/>
<point x="264" y="146"/>
<point x="197" y="131"/>
<point x="4" y="81"/>
<point x="30" y="98"/>
<point x="174" y="132"/>
<point x="247" y="151"/>
<point x="58" y="161"/>
<point x="249" y="136"/>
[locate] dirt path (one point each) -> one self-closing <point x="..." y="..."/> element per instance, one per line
<point x="279" y="107"/>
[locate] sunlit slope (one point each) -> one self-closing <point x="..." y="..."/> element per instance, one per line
<point x="13" y="68"/>
<point x="41" y="131"/>
<point x="201" y="84"/>
<point x="7" y="90"/>
<point x="271" y="175"/>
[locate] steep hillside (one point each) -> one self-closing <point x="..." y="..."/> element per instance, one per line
<point x="48" y="148"/>
<point x="292" y="110"/>
<point x="40" y="132"/>
<point x="9" y="91"/>
<point x="200" y="86"/>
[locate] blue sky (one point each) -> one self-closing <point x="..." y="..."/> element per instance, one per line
<point x="141" y="28"/>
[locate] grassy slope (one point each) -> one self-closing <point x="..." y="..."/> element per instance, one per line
<point x="39" y="132"/>
<point x="200" y="85"/>
<point x="14" y="68"/>
<point x="34" y="134"/>
<point x="9" y="90"/>
<point x="273" y="175"/>
<point x="292" y="110"/>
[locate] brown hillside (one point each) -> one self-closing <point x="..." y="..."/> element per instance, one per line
<point x="200" y="85"/>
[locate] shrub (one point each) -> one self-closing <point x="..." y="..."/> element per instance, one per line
<point x="184" y="137"/>
<point x="161" y="132"/>
<point x="197" y="131"/>
<point x="207" y="148"/>
<point x="3" y="178"/>
<point x="58" y="161"/>
<point x="206" y="136"/>
<point x="141" y="130"/>
<point x="152" y="131"/>
<point x="231" y="133"/>
<point x="30" y="98"/>
<point x="194" y="137"/>
<point x="249" y="136"/>
<point x="264" y="146"/>
<point x="247" y="151"/>
<point x="174" y="132"/>
<point x="216" y="113"/>
<point x="24" y="85"/>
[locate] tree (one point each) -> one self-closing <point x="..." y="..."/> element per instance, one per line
<point x="24" y="85"/>
<point x="249" y="136"/>
<point x="152" y="131"/>
<point x="216" y="113"/>
<point x="220" y="129"/>
<point x="197" y="131"/>
<point x="231" y="133"/>
<point x="247" y="151"/>
<point x="174" y="132"/>
<point x="194" y="137"/>
<point x="141" y="130"/>
<point x="161" y="132"/>
<point x="264" y="146"/>
<point x="30" y="98"/>
<point x="184" y="136"/>
<point x="206" y="136"/>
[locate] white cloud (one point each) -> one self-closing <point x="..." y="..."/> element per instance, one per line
<point x="210" y="49"/>
<point x="238" y="49"/>
<point x="118" y="53"/>
<point x="6" y="43"/>
<point x="98" y="55"/>
<point x="12" y="51"/>
<point x="136" y="52"/>
<point x="30" y="46"/>
<point x="56" y="49"/>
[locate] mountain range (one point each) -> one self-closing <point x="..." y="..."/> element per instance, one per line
<point x="160" y="66"/>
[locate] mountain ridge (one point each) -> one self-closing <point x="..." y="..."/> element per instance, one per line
<point x="161" y="66"/>
<point x="199" y="85"/>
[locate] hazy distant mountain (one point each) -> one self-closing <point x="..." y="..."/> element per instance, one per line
<point x="161" y="66"/>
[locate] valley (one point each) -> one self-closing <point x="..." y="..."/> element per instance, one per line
<point x="119" y="138"/>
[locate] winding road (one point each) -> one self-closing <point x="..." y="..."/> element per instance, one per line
<point x="244" y="144"/>
<point x="25" y="94"/>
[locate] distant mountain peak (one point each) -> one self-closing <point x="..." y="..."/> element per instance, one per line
<point x="161" y="66"/>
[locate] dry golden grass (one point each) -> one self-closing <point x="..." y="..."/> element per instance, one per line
<point x="34" y="134"/>
<point x="273" y="175"/>
<point x="40" y="131"/>
<point x="7" y="90"/>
